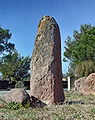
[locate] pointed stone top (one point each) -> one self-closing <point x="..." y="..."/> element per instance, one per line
<point x="47" y="20"/>
<point x="47" y="17"/>
<point x="46" y="77"/>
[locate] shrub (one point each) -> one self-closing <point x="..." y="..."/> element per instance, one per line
<point x="19" y="84"/>
<point x="17" y="105"/>
<point x="14" y="105"/>
<point x="84" y="68"/>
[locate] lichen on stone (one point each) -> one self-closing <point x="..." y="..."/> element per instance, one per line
<point x="46" y="77"/>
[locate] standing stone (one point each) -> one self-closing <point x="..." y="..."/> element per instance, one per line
<point x="46" y="77"/>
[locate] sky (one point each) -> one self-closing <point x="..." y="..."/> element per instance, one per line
<point x="21" y="17"/>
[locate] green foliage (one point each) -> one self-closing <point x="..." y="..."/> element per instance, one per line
<point x="14" y="105"/>
<point x="5" y="45"/>
<point x="81" y="49"/>
<point x="81" y="108"/>
<point x="71" y="70"/>
<point x="28" y="104"/>
<point x="93" y="111"/>
<point x="84" y="68"/>
<point x="19" y="84"/>
<point x="14" y="67"/>
<point x="17" y="105"/>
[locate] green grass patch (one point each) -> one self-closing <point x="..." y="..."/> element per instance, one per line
<point x="78" y="107"/>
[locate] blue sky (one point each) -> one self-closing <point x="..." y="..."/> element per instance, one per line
<point x="21" y="17"/>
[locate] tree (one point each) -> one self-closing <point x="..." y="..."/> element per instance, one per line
<point x="84" y="68"/>
<point x="14" y="67"/>
<point x="5" y="45"/>
<point x="81" y="49"/>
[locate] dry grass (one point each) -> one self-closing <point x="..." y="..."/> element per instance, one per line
<point x="76" y="107"/>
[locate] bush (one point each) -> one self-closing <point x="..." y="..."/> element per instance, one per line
<point x="14" y="105"/>
<point x="84" y="68"/>
<point x="17" y="105"/>
<point x="19" y="84"/>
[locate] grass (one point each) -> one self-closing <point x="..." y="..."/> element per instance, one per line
<point x="76" y="107"/>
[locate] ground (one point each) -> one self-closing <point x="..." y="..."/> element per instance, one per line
<point x="76" y="107"/>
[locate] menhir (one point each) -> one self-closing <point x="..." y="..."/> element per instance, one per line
<point x="46" y="77"/>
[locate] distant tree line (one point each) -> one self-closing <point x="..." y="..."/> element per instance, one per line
<point x="80" y="51"/>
